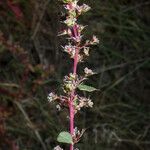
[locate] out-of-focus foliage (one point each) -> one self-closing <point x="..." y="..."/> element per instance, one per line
<point x="32" y="64"/>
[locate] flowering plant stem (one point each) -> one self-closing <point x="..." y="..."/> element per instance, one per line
<point x="71" y="106"/>
<point x="78" y="49"/>
<point x="71" y="117"/>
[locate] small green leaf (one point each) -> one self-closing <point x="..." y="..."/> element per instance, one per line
<point x="65" y="137"/>
<point x="87" y="88"/>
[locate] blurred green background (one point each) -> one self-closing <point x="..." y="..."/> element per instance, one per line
<point x="32" y="64"/>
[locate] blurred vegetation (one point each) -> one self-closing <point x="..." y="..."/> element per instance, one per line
<point x="32" y="64"/>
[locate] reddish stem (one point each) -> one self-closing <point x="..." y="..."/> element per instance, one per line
<point x="71" y="116"/>
<point x="71" y="106"/>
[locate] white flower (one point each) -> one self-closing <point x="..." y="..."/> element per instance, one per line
<point x="88" y="72"/>
<point x="58" y="107"/>
<point x="94" y="41"/>
<point x="70" y="21"/>
<point x="76" y="132"/>
<point x="57" y="148"/>
<point x="71" y="6"/>
<point x="82" y="9"/>
<point x="64" y="32"/>
<point x="90" y="103"/>
<point x="85" y="8"/>
<point x="86" y="51"/>
<point x="51" y="97"/>
<point x="81" y="27"/>
<point x="70" y="50"/>
<point x="83" y="102"/>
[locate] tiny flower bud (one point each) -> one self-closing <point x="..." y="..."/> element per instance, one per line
<point x="70" y="50"/>
<point x="88" y="72"/>
<point x="69" y="32"/>
<point x="70" y="21"/>
<point x="94" y="40"/>
<point x="71" y="6"/>
<point x="68" y="6"/>
<point x="90" y="103"/>
<point x="72" y="76"/>
<point x="51" y="97"/>
<point x="87" y="42"/>
<point x="64" y="32"/>
<point x="82" y="9"/>
<point x="75" y="131"/>
<point x="86" y="51"/>
<point x="85" y="8"/>
<point x="58" y="107"/>
<point x="80" y="58"/>
<point x="57" y="148"/>
<point x="80" y="28"/>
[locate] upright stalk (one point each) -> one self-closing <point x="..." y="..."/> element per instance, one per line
<point x="78" y="49"/>
<point x="71" y="106"/>
<point x="71" y="117"/>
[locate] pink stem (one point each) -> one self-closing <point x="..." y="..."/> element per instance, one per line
<point x="71" y="106"/>
<point x="71" y="117"/>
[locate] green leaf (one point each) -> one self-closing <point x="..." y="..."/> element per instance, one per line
<point x="65" y="137"/>
<point x="87" y="88"/>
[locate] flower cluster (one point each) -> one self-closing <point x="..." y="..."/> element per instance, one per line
<point x="74" y="10"/>
<point x="70" y="83"/>
<point x="70" y="50"/>
<point x="74" y="30"/>
<point x="80" y="102"/>
<point x="77" y="134"/>
<point x="94" y="41"/>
